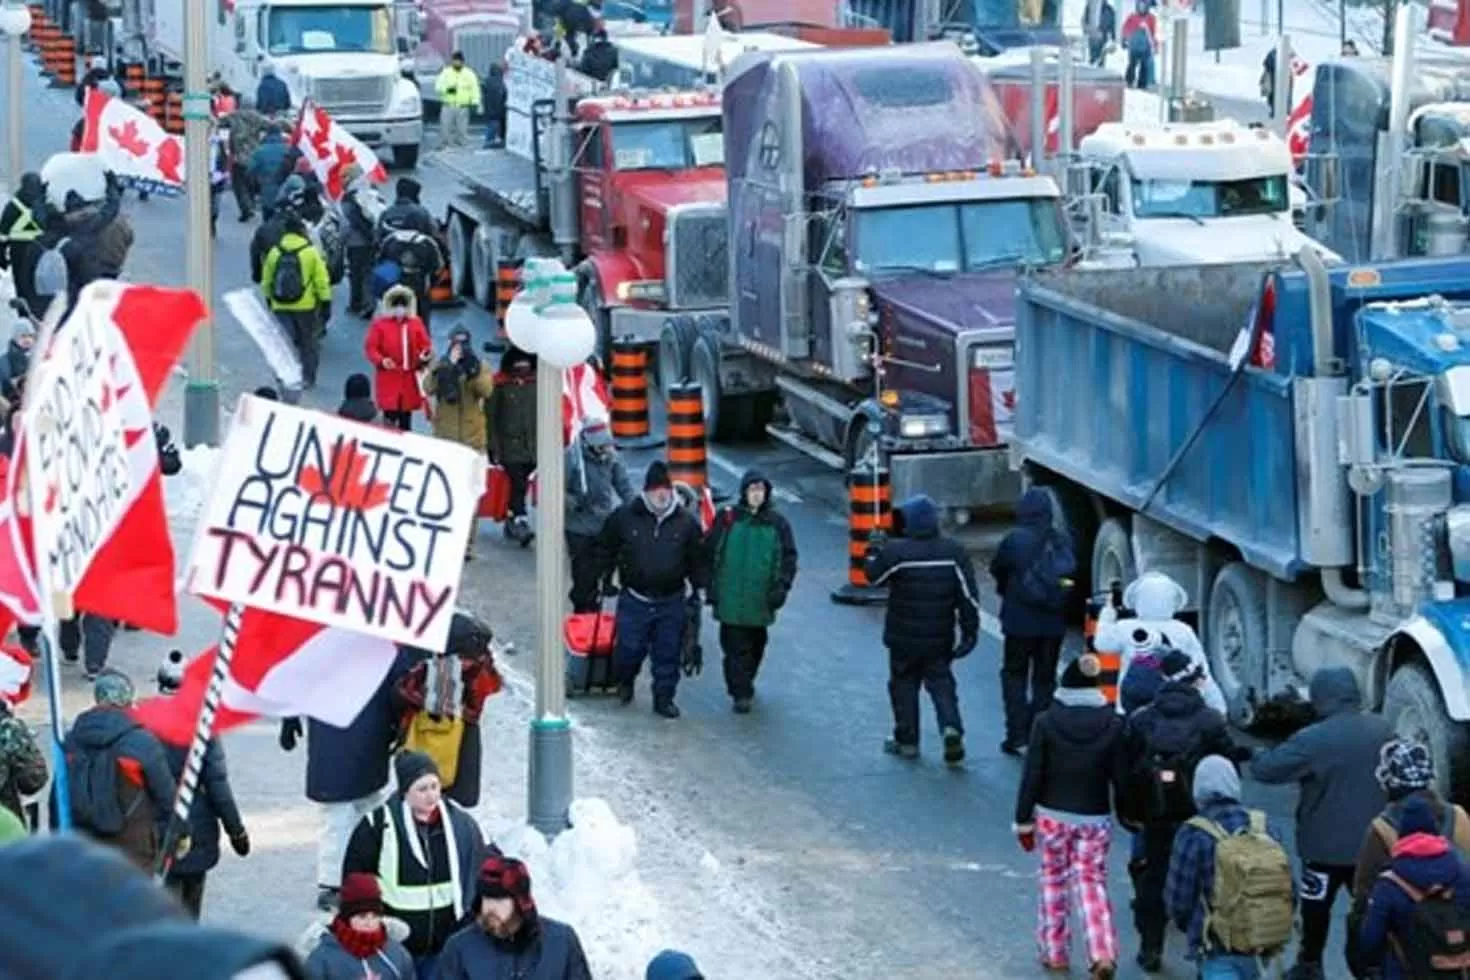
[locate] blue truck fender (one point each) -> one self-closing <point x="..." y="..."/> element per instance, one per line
<point x="1429" y="638"/>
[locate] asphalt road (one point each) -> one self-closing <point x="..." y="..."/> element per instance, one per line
<point x="837" y="860"/>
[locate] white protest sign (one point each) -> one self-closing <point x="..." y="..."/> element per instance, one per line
<point x="79" y="479"/>
<point x="339" y="523"/>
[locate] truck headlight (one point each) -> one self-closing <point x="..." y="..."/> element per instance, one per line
<point x="641" y="290"/>
<point x="923" y="426"/>
<point x="1457" y="532"/>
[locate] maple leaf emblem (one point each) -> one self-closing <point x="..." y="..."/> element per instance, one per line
<point x="346" y="156"/>
<point x="127" y="138"/>
<point x="170" y="158"/>
<point x="345" y="485"/>
<point x="1008" y="399"/>
<point x="321" y="136"/>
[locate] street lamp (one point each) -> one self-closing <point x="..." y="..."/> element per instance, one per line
<point x="15" y="20"/>
<point x="545" y="320"/>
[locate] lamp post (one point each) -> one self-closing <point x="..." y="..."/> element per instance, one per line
<point x="545" y="320"/>
<point x="201" y="394"/>
<point x="15" y="20"/>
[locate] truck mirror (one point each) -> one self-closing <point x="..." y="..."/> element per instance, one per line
<point x="1355" y="430"/>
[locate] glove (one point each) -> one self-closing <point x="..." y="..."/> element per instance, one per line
<point x="290" y="733"/>
<point x="967" y="644"/>
<point x="693" y="660"/>
<point x="182" y="848"/>
<point x="241" y="843"/>
<point x="1027" y="839"/>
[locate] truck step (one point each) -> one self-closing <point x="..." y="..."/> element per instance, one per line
<point x="805" y="444"/>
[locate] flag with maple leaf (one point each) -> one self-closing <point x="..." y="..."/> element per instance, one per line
<point x="330" y="149"/>
<point x="131" y="144"/>
<point x="992" y="405"/>
<point x="131" y="575"/>
<point x="584" y="398"/>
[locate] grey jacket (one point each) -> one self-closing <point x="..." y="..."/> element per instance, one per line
<point x="329" y="961"/>
<point x="1334" y="761"/>
<point x="595" y="488"/>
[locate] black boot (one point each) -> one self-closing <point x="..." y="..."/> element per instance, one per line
<point x="625" y="692"/>
<point x="666" y="708"/>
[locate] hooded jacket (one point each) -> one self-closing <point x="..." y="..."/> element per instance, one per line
<point x="1375" y="853"/>
<point x="512" y="418"/>
<point x="931" y="586"/>
<point x="272" y="95"/>
<point x="462" y="420"/>
<point x="317" y="283"/>
<point x="654" y="554"/>
<point x="1334" y="761"/>
<point x="672" y="965"/>
<point x="329" y="961"/>
<point x="1178" y="722"/>
<point x="1018" y="550"/>
<point x="406" y="343"/>
<point x="145" y="783"/>
<point x="752" y="559"/>
<point x="22" y="224"/>
<point x="597" y="485"/>
<point x="214" y="804"/>
<point x="267" y="166"/>
<point x="1424" y="860"/>
<point x="544" y="950"/>
<point x="1075" y="763"/>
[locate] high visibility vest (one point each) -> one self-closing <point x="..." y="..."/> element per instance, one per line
<point x="417" y="898"/>
<point x="25" y="228"/>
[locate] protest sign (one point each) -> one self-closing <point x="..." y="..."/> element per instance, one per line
<point x="339" y="523"/>
<point x="80" y="478"/>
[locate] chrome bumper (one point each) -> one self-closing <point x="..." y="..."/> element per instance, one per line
<point x="976" y="479"/>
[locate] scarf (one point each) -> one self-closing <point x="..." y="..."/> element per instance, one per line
<point x="359" y="945"/>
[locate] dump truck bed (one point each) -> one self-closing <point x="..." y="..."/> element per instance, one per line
<point x="503" y="177"/>
<point x="1118" y="371"/>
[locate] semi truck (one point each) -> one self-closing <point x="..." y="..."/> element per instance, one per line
<point x="483" y="30"/>
<point x="1016" y="76"/>
<point x="340" y="54"/>
<point x="984" y="27"/>
<point x="878" y="222"/>
<point x="1291" y="444"/>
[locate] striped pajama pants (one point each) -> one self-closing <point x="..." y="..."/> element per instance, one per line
<point x="1074" y="874"/>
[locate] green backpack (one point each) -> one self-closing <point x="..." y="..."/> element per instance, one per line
<point x="1250" y="910"/>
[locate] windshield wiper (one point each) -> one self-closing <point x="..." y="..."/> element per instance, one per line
<point x="925" y="269"/>
<point x="997" y="261"/>
<point x="1176" y="214"/>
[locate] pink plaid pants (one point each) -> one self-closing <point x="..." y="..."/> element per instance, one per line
<point x="1074" y="859"/>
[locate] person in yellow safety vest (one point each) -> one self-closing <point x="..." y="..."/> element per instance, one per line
<point x="459" y="95"/>
<point x="22" y="222"/>
<point x="425" y="851"/>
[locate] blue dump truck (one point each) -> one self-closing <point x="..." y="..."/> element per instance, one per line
<point x="1290" y="444"/>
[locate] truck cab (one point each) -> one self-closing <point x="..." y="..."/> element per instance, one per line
<point x="1193" y="193"/>
<point x="984" y="27"/>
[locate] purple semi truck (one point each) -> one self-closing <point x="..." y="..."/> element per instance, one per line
<point x="878" y="223"/>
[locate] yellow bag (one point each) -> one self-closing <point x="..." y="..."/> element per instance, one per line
<point x="440" y="740"/>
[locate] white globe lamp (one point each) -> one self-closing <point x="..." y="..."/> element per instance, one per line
<point x="15" y="20"/>
<point x="567" y="336"/>
<point x="520" y="323"/>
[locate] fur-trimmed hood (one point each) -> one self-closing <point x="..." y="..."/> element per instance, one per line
<point x="394" y="291"/>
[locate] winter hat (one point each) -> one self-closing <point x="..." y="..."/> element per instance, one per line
<point x="357" y="386"/>
<point x="1140" y="683"/>
<point x="268" y="393"/>
<point x="409" y="189"/>
<point x="1177" y="667"/>
<point x="98" y="62"/>
<point x="1417" y="817"/>
<point x="505" y="877"/>
<point x="672" y="965"/>
<point x="1082" y="672"/>
<point x="1215" y="778"/>
<point x="410" y="767"/>
<point x="597" y="434"/>
<point x="657" y="477"/>
<point x="360" y="893"/>
<point x="113" y="688"/>
<point x="1403" y="767"/>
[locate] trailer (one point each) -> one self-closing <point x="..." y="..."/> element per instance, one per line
<point x="680" y="61"/>
<point x="1286" y="442"/>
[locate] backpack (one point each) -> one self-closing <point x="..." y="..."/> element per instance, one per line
<point x="1249" y="910"/>
<point x="51" y="275"/>
<point x="1040" y="583"/>
<point x="1168" y="777"/>
<point x="1438" y="940"/>
<point x="288" y="282"/>
<point x="93" y="781"/>
<point x="1454" y="827"/>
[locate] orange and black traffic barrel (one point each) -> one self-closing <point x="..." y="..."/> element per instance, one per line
<point x="441" y="290"/>
<point x="174" y="113"/>
<point x="869" y="512"/>
<point x="66" y="62"/>
<point x="686" y="437"/>
<point x="133" y="76"/>
<point x="1111" y="662"/>
<point x="153" y="89"/>
<point x="631" y="426"/>
<point x="507" y="284"/>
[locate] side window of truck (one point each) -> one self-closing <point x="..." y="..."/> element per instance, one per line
<point x="1404" y="418"/>
<point x="588" y="154"/>
<point x="1444" y="184"/>
<point x="828" y="239"/>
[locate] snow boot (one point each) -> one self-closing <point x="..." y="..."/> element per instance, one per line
<point x="742" y="706"/>
<point x="954" y="746"/>
<point x="666" y="708"/>
<point x="901" y="749"/>
<point x="1151" y="960"/>
<point x="625" y="693"/>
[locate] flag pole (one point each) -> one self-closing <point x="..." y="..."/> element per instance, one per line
<point x="60" y="787"/>
<point x="203" y="732"/>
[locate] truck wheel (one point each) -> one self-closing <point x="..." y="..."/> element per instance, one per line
<point x="406" y="157"/>
<point x="483" y="261"/>
<point x="674" y="343"/>
<point x="1413" y="706"/>
<point x="704" y="370"/>
<point x="1235" y="642"/>
<point x="1112" y="555"/>
<point x="458" y="231"/>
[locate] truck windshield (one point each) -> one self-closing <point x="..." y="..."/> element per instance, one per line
<point x="668" y="144"/>
<point x="946" y="238"/>
<point x="308" y="30"/>
<point x="1210" y="199"/>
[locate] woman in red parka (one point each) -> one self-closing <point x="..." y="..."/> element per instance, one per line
<point x="398" y="347"/>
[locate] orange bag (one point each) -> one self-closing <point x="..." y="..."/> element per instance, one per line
<point x="495" y="502"/>
<point x="590" y="634"/>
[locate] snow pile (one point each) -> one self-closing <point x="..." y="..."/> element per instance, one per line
<point x="588" y="877"/>
<point x="186" y="492"/>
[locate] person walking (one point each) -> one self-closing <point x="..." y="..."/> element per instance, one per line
<point x="361" y="205"/>
<point x="1073" y="783"/>
<point x="1163" y="743"/>
<point x="214" y="805"/>
<point x="1334" y="761"/>
<point x="299" y="292"/>
<point x="458" y="89"/>
<point x="597" y="486"/>
<point x="22" y="763"/>
<point x="1235" y="941"/>
<point x="424" y="850"/>
<point x="1141" y="38"/>
<point x="508" y="936"/>
<point x="656" y="548"/>
<point x="671" y="964"/>
<point x="752" y="568"/>
<point x="398" y="347"/>
<point x="1031" y="568"/>
<point x="1099" y="36"/>
<point x="355" y="944"/>
<point x="267" y="170"/>
<point x="22" y="225"/>
<point x="494" y="96"/>
<point x="459" y="384"/>
<point x="408" y="237"/>
<point x="931" y="590"/>
<point x="511" y="413"/>
<point x="272" y="97"/>
<point x="247" y="128"/>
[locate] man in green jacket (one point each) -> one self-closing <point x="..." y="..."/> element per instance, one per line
<point x="753" y="564"/>
<point x="299" y="291"/>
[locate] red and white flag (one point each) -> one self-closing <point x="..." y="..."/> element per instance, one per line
<point x="130" y="574"/>
<point x="131" y="144"/>
<point x="584" y="399"/>
<point x="1299" y="120"/>
<point x="706" y="509"/>
<point x="330" y="150"/>
<point x="283" y="668"/>
<point x="16" y="668"/>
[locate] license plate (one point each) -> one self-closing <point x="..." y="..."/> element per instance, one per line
<point x="991" y="358"/>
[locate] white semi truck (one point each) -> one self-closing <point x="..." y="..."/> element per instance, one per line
<point x="344" y="55"/>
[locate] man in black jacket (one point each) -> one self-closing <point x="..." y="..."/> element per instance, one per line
<point x="492" y="92"/>
<point x="931" y="588"/>
<point x="656" y="547"/>
<point x="600" y="59"/>
<point x="407" y="235"/>
<point x="506" y="931"/>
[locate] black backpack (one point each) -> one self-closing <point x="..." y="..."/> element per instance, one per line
<point x="1040" y="582"/>
<point x="1437" y="943"/>
<point x="1168" y="779"/>
<point x="288" y="282"/>
<point x="92" y="778"/>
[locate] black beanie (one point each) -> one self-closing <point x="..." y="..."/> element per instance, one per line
<point x="409" y="189"/>
<point x="1178" y="666"/>
<point x="357" y="386"/>
<point x="657" y="476"/>
<point x="410" y="767"/>
<point x="1082" y="672"/>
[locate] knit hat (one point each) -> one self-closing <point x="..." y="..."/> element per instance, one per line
<point x="113" y="688"/>
<point x="410" y="767"/>
<point x="1417" y="817"/>
<point x="409" y="189"/>
<point x="357" y="386"/>
<point x="268" y="393"/>
<point x="360" y="893"/>
<point x="672" y="965"/>
<point x="505" y="877"/>
<point x="1404" y="766"/>
<point x="1215" y="778"/>
<point x="1082" y="672"/>
<point x="1141" y="682"/>
<point x="1177" y="667"/>
<point x="657" y="477"/>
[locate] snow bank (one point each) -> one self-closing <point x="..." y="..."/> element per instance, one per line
<point x="185" y="492"/>
<point x="588" y="877"/>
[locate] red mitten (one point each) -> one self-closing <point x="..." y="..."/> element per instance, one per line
<point x="1026" y="836"/>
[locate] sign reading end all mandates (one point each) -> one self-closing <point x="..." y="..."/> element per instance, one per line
<point x="339" y="523"/>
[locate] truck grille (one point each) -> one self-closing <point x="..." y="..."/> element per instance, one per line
<point x="352" y="96"/>
<point x="483" y="47"/>
<point x="696" y="262"/>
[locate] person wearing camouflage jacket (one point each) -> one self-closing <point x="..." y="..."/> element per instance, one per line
<point x="22" y="763"/>
<point x="246" y="127"/>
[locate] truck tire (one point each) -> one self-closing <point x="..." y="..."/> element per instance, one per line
<point x="461" y="275"/>
<point x="1235" y="640"/>
<point x="483" y="261"/>
<point x="1112" y="554"/>
<point x="406" y="157"/>
<point x="675" y="342"/>
<point x="1413" y="706"/>
<point x="704" y="370"/>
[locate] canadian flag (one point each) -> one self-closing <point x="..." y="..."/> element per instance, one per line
<point x="331" y="149"/>
<point x="131" y="575"/>
<point x="706" y="510"/>
<point x="131" y="144"/>
<point x="1299" y="120"/>
<point x="1053" y="113"/>
<point x="15" y="666"/>
<point x="584" y="398"/>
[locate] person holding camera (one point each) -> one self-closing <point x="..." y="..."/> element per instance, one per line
<point x="459" y="384"/>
